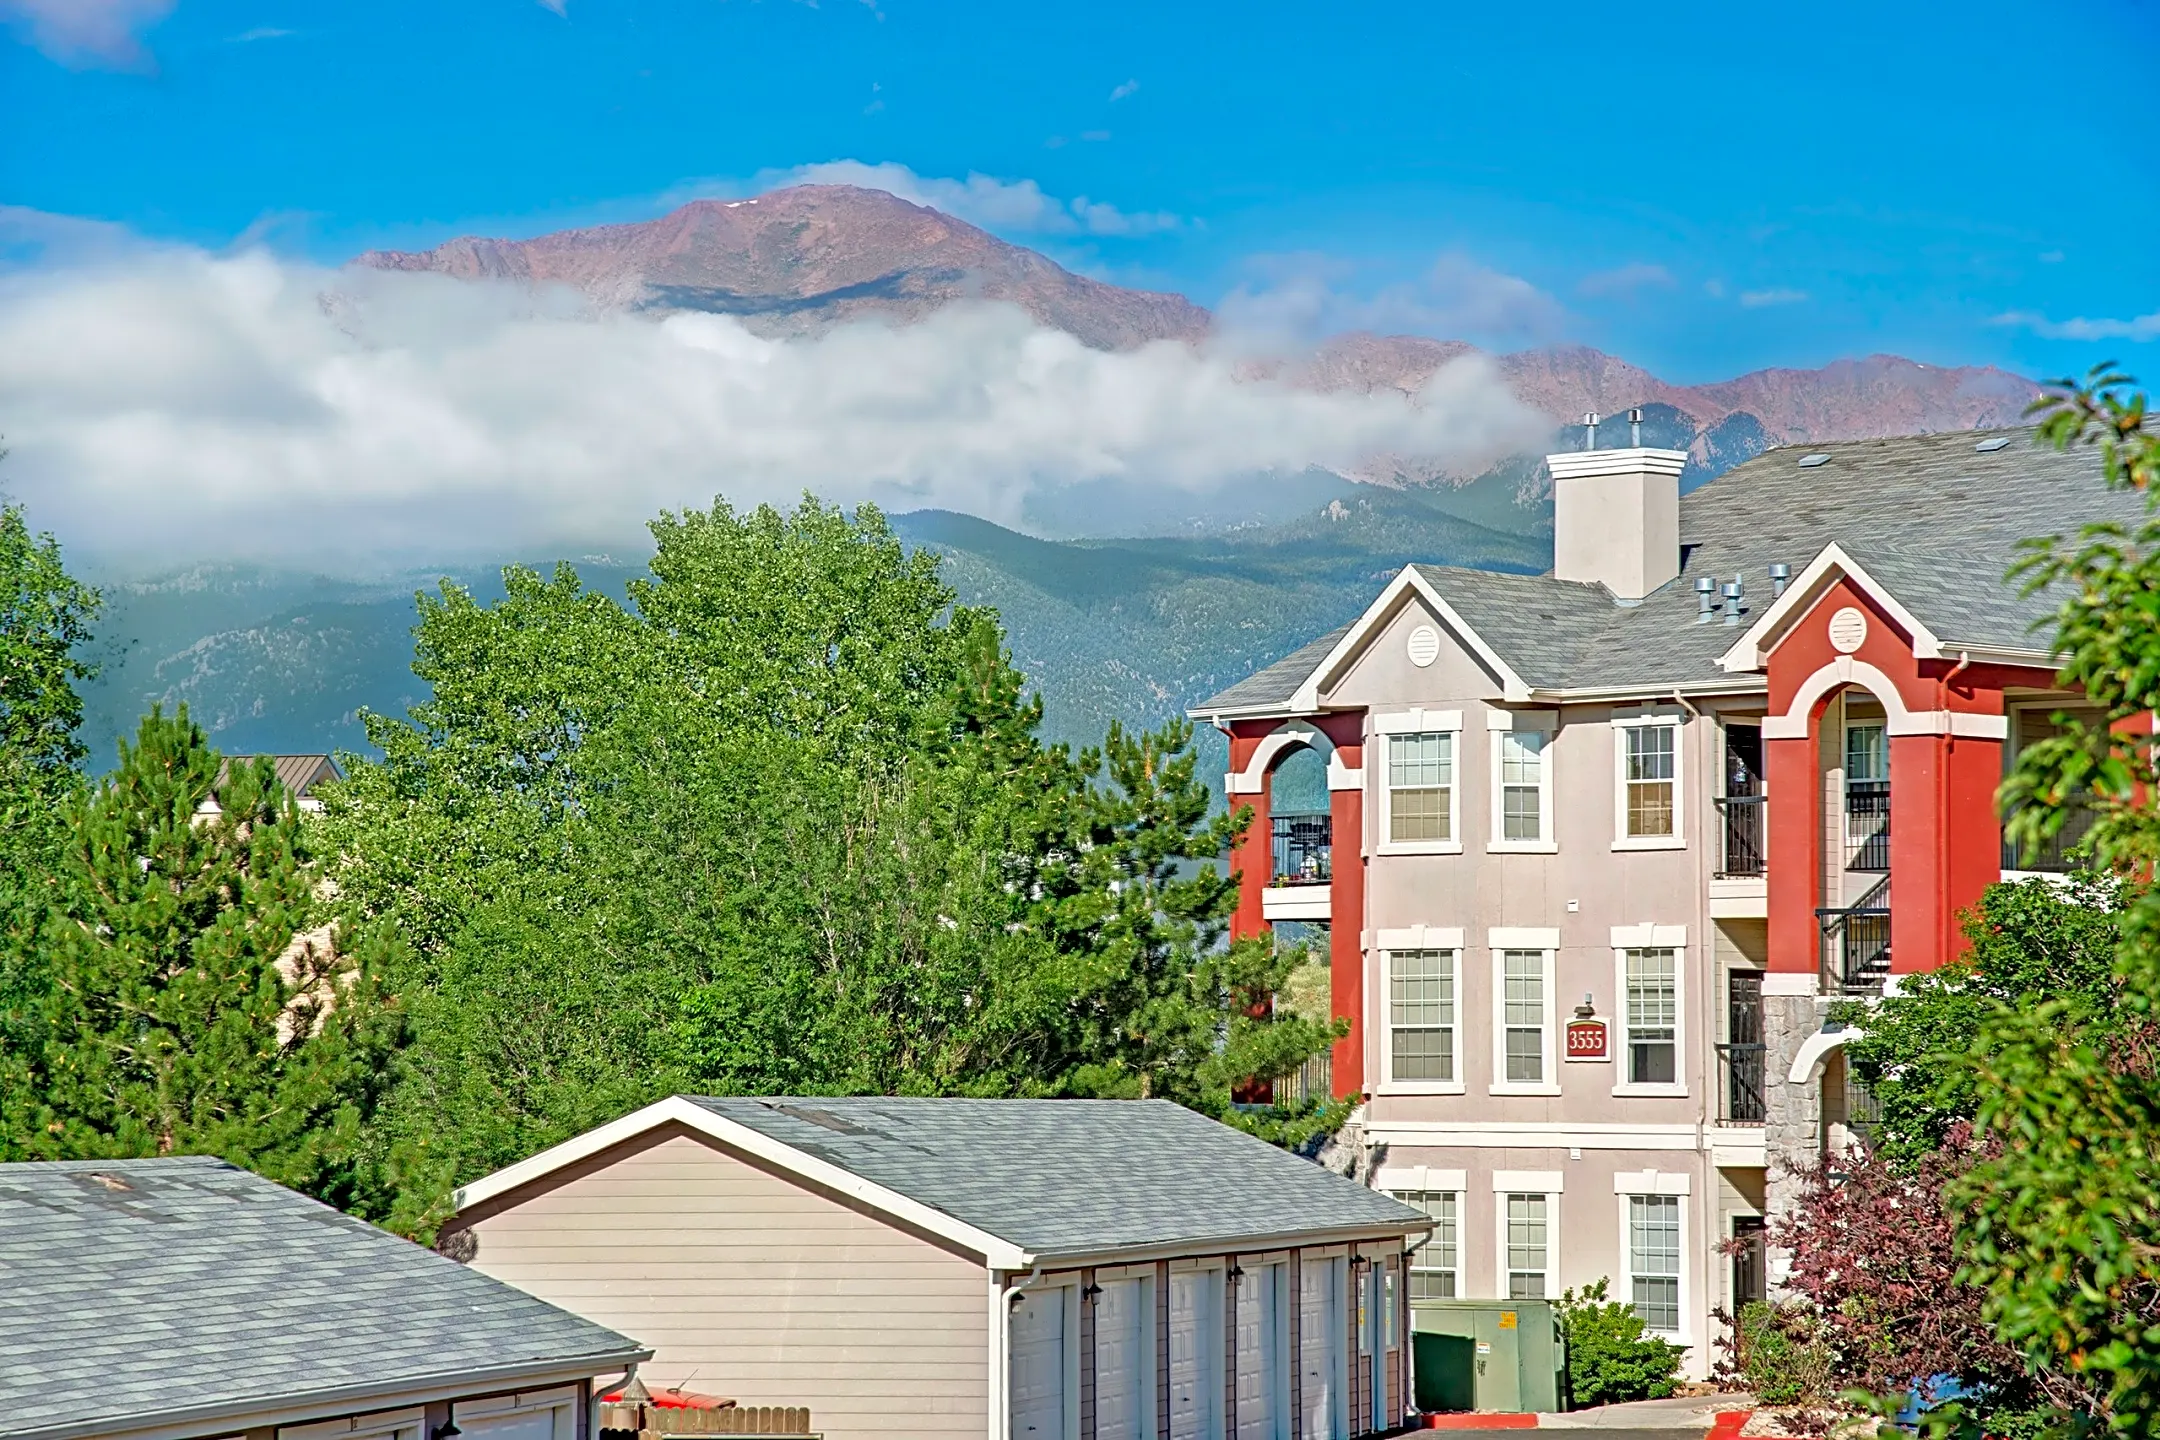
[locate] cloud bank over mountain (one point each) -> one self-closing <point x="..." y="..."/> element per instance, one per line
<point x="170" y="401"/>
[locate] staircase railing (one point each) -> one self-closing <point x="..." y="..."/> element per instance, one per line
<point x="1856" y="943"/>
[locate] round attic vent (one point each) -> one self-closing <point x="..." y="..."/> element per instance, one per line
<point x="1848" y="630"/>
<point x="1424" y="646"/>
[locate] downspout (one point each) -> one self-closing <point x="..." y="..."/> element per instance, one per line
<point x="1001" y="1340"/>
<point x="1706" y="1008"/>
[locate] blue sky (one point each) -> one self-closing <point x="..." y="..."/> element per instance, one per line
<point x="1703" y="189"/>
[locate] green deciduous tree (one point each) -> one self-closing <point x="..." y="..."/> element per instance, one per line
<point x="186" y="1008"/>
<point x="783" y="822"/>
<point x="2058" y="1222"/>
<point x="2030" y="943"/>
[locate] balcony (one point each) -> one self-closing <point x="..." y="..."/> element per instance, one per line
<point x="2054" y="857"/>
<point x="1744" y="1101"/>
<point x="1856" y="944"/>
<point x="1741" y="851"/>
<point x="1298" y="889"/>
<point x="1867" y="826"/>
<point x="1303" y="845"/>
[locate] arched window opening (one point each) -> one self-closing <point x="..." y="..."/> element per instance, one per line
<point x="1298" y="815"/>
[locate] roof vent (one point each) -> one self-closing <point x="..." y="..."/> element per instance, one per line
<point x="1993" y="443"/>
<point x="1809" y="462"/>
<point x="1780" y="576"/>
<point x="1705" y="598"/>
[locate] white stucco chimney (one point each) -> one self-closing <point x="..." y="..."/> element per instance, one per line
<point x="1616" y="518"/>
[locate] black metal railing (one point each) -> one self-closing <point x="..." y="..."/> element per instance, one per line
<point x="1867" y="825"/>
<point x="1743" y="852"/>
<point x="1745" y="1101"/>
<point x="1303" y="844"/>
<point x="2054" y="857"/>
<point x="1856" y="943"/>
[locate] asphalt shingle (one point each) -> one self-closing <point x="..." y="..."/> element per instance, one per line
<point x="132" y="1288"/>
<point x="1933" y="517"/>
<point x="1075" y="1177"/>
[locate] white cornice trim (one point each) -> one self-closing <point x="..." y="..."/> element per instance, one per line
<point x="1748" y="653"/>
<point x="1406" y="583"/>
<point x="997" y="1253"/>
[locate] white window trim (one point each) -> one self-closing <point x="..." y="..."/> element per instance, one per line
<point x="1650" y="937"/>
<point x="1418" y="722"/>
<point x="1637" y="720"/>
<point x="1497" y="942"/>
<point x="1651" y="1183"/>
<point x="1445" y="1182"/>
<point x="1426" y="938"/>
<point x="1528" y="1182"/>
<point x="1502" y="722"/>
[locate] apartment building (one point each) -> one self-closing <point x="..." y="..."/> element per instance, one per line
<point x="1589" y="854"/>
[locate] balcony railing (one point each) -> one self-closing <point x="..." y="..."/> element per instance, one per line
<point x="1745" y="1102"/>
<point x="1743" y="851"/>
<point x="1867" y="825"/>
<point x="1303" y="844"/>
<point x="1856" y="943"/>
<point x="1314" y="1080"/>
<point x="2053" y="858"/>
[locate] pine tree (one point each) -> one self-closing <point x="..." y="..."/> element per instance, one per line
<point x="189" y="1009"/>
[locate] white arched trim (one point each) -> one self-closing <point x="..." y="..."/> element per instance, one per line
<point x="1284" y="737"/>
<point x="1807" y="1064"/>
<point x="1793" y="724"/>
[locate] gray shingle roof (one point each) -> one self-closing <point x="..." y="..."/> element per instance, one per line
<point x="1075" y="1177"/>
<point x="1932" y="517"/>
<point x="133" y="1288"/>
<point x="1278" y="682"/>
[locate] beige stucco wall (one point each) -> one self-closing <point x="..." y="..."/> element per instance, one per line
<point x="1583" y="889"/>
<point x="753" y="1287"/>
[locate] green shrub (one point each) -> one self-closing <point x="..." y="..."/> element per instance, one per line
<point x="1782" y="1354"/>
<point x="1610" y="1356"/>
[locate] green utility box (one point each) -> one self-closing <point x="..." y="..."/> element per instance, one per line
<point x="1485" y="1355"/>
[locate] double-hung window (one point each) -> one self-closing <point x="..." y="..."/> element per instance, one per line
<point x="1423" y="1016"/>
<point x="1523" y="1028"/>
<point x="1528" y="1242"/>
<point x="1648" y="756"/>
<point x="1421" y="787"/>
<point x="1436" y="1266"/>
<point x="1653" y="1017"/>
<point x="1653" y="1242"/>
<point x="1522" y="787"/>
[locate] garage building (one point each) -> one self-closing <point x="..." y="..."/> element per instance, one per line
<point x="1034" y="1269"/>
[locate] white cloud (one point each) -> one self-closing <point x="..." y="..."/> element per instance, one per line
<point x="173" y="404"/>
<point x="1303" y="298"/>
<point x="88" y="33"/>
<point x="1757" y="299"/>
<point x="1130" y="87"/>
<point x="1008" y="205"/>
<point x="560" y="7"/>
<point x="1627" y="280"/>
<point x="2140" y="327"/>
<point x="262" y="32"/>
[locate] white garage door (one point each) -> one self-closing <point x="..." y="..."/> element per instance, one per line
<point x="1320" y="1348"/>
<point x="1124" y="1361"/>
<point x="1262" y="1408"/>
<point x="1038" y="1366"/>
<point x="1195" y="1355"/>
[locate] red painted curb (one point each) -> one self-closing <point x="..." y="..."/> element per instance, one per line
<point x="1728" y="1423"/>
<point x="1495" y="1420"/>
